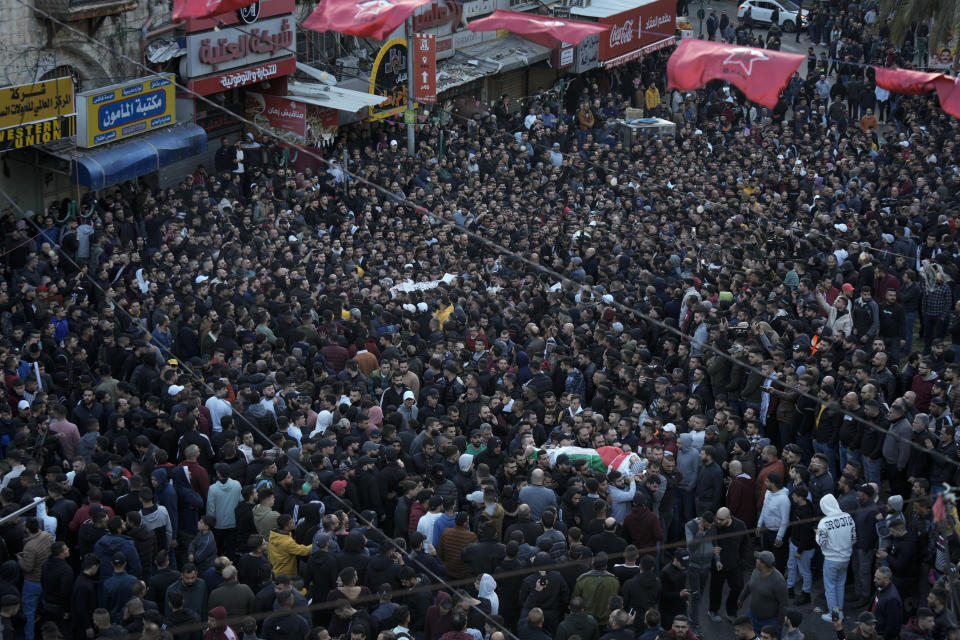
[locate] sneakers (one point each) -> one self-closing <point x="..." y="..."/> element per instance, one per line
<point x="715" y="616"/>
<point x="802" y="599"/>
<point x="827" y="617"/>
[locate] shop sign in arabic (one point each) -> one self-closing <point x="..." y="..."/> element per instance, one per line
<point x="213" y="51"/>
<point x="242" y="77"/>
<point x="25" y="103"/>
<point x="121" y="111"/>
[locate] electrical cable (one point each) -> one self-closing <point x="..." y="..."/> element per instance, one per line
<point x="536" y="268"/>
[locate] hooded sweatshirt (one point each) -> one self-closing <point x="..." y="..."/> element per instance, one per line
<point x="688" y="462"/>
<point x="836" y="531"/>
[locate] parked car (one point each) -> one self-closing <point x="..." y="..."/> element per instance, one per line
<point x="761" y="11"/>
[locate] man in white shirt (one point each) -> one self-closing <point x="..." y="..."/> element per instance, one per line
<point x="217" y="405"/>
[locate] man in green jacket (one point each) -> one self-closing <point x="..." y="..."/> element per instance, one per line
<point x="596" y="587"/>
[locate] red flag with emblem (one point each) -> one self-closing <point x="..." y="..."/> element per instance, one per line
<point x="365" y="18"/>
<point x="183" y="9"/>
<point x="760" y="73"/>
<point x="905" y="81"/>
<point x="545" y="30"/>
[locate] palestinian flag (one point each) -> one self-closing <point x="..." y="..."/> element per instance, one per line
<point x="603" y="460"/>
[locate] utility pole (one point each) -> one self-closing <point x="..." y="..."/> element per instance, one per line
<point x="411" y="126"/>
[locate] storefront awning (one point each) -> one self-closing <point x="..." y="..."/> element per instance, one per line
<point x="642" y="51"/>
<point x="109" y="165"/>
<point x="324" y="95"/>
<point x="494" y="56"/>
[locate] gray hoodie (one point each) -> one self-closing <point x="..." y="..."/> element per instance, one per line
<point x="688" y="461"/>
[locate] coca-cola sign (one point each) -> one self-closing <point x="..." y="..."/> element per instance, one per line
<point x="621" y="34"/>
<point x="637" y="28"/>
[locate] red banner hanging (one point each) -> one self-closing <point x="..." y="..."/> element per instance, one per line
<point x="760" y="73"/>
<point x="554" y="30"/>
<point x="425" y="67"/>
<point x="365" y="18"/>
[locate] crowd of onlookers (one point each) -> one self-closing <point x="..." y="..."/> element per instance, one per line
<point x="285" y="399"/>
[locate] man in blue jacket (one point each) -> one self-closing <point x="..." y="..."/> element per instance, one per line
<point x="115" y="542"/>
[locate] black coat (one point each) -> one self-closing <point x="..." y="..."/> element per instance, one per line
<point x="84" y="600"/>
<point x="641" y="592"/>
<point x="321" y="574"/>
<point x="57" y="581"/>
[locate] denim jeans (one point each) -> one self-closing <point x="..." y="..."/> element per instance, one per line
<point x="872" y="469"/>
<point x="834" y="582"/>
<point x="760" y="623"/>
<point x="697" y="582"/>
<point x="800" y="565"/>
<point x="32" y="592"/>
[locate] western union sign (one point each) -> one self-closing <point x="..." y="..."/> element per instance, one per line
<point x="32" y="133"/>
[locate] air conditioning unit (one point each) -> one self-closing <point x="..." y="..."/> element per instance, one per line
<point x="561" y="10"/>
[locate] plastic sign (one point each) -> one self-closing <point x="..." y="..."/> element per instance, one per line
<point x="125" y="110"/>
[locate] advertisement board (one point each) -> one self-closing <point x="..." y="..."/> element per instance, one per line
<point x="637" y="28"/>
<point x="243" y="77"/>
<point x="389" y="79"/>
<point x="125" y="110"/>
<point x="425" y="67"/>
<point x="214" y="51"/>
<point x="26" y="103"/>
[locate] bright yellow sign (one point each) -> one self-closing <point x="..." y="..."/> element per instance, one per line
<point x="27" y="103"/>
<point x="125" y="110"/>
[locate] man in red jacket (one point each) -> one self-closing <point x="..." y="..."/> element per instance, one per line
<point x="770" y="464"/>
<point x="642" y="527"/>
<point x="740" y="498"/>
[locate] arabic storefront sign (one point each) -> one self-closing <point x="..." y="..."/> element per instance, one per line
<point x="125" y="110"/>
<point x="243" y="77"/>
<point x="425" y="67"/>
<point x="389" y="79"/>
<point x="41" y="132"/>
<point x="214" y="51"/>
<point x="588" y="54"/>
<point x="637" y="28"/>
<point x="27" y="103"/>
<point x="287" y="117"/>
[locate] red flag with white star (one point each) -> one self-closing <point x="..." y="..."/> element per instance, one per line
<point x="365" y="18"/>
<point x="760" y="73"/>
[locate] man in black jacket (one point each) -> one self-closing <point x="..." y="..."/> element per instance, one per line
<point x="673" y="584"/>
<point x="85" y="596"/>
<point x="642" y="591"/>
<point x="802" y="543"/>
<point x="321" y="573"/>
<point x="57" y="582"/>
<point x="732" y="547"/>
<point x="887" y="605"/>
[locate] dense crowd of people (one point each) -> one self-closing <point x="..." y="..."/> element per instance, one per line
<point x="277" y="401"/>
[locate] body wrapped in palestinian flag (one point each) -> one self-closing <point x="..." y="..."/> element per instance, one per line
<point x="603" y="460"/>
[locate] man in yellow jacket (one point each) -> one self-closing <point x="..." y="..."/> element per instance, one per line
<point x="282" y="550"/>
<point x="651" y="100"/>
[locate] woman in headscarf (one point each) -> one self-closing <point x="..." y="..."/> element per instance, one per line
<point x="375" y="417"/>
<point x="487" y="591"/>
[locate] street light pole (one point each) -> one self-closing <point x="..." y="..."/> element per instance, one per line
<point x="411" y="126"/>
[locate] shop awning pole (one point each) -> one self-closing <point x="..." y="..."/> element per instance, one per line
<point x="411" y="127"/>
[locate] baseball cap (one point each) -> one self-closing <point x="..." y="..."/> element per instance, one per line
<point x="766" y="557"/>
<point x="119" y="558"/>
<point x="672" y="428"/>
<point x="847" y="287"/>
<point x="867" y="489"/>
<point x="683" y="556"/>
